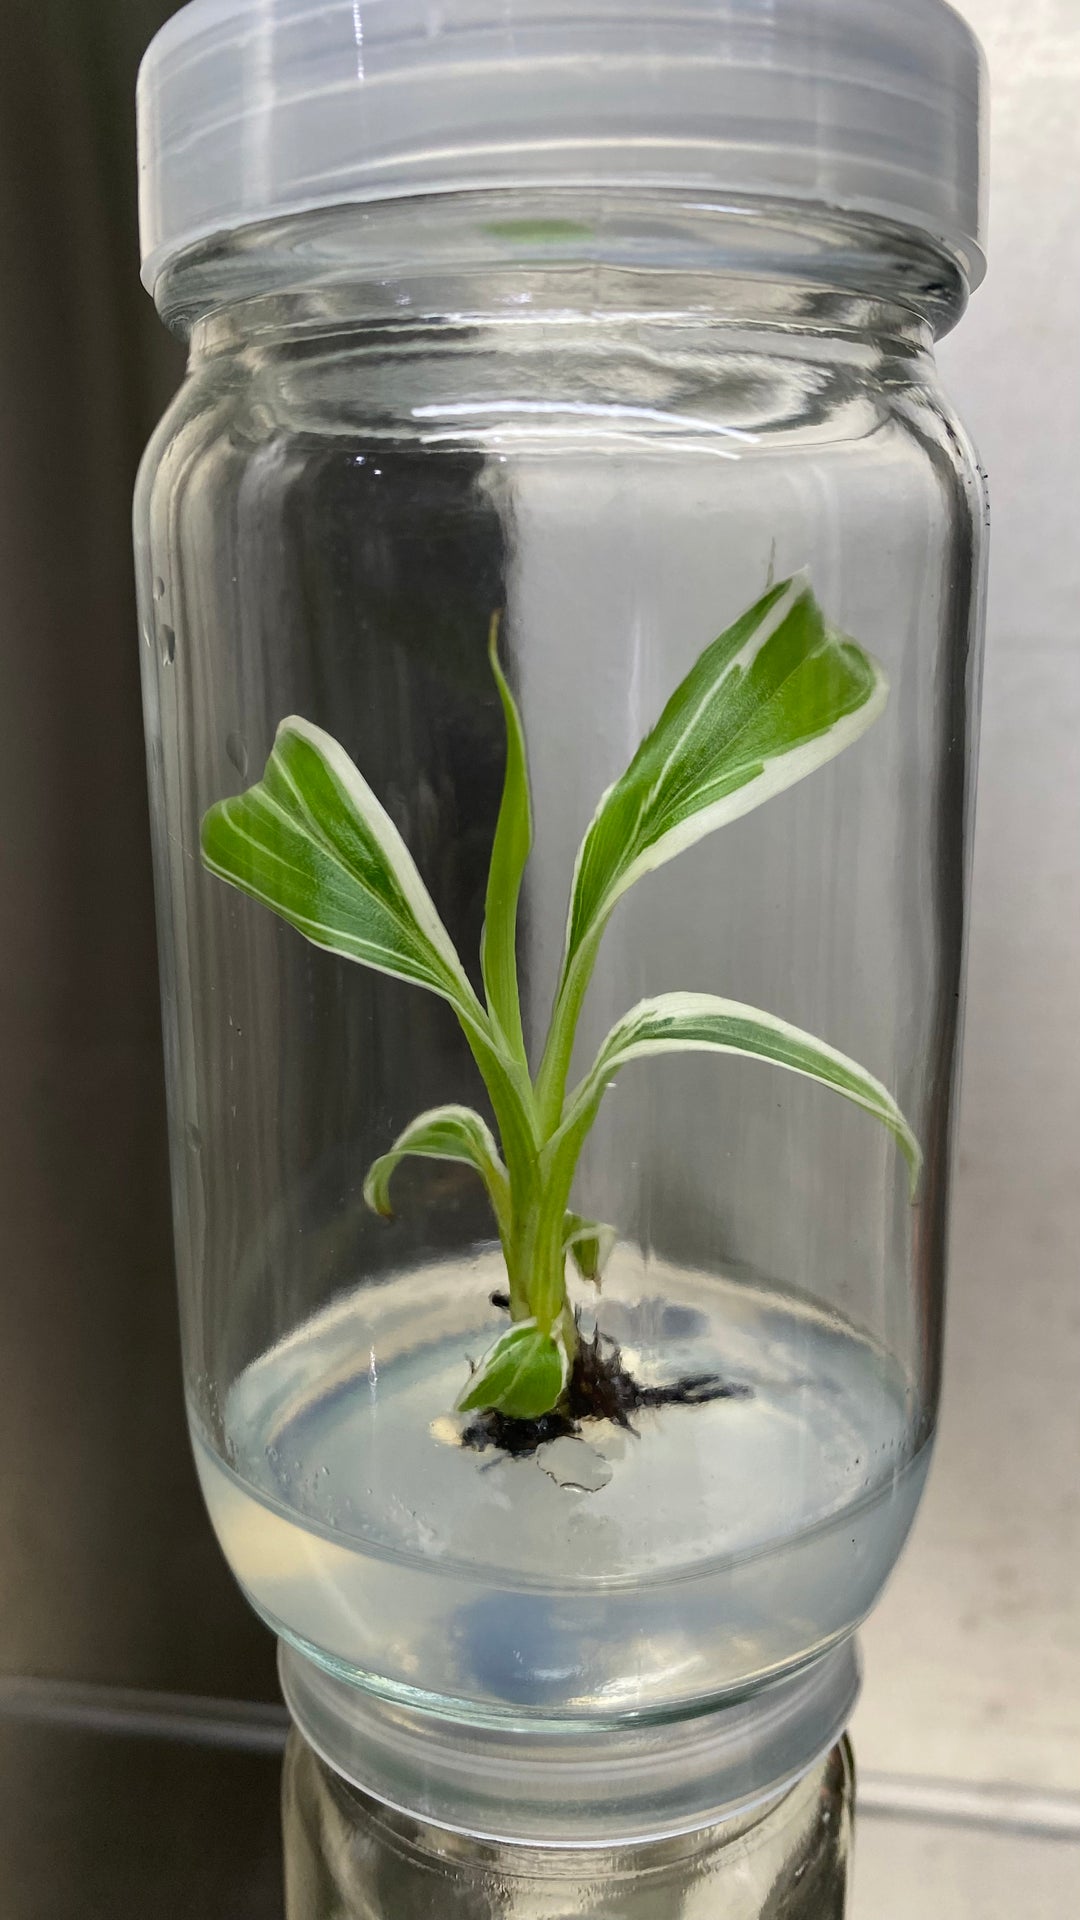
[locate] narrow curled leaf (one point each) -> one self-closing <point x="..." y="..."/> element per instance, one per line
<point x="522" y="1375"/>
<point x="700" y="1022"/>
<point x="777" y="695"/>
<point x="510" y="851"/>
<point x="311" y="841"/>
<point x="443" y="1133"/>
<point x="589" y="1244"/>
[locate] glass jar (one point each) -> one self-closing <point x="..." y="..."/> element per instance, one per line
<point x="349" y="1858"/>
<point x="565" y="409"/>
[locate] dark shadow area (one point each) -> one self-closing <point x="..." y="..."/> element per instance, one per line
<point x="109" y="1571"/>
<point x="106" y="1828"/>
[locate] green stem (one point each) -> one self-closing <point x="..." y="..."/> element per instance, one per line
<point x="541" y="1151"/>
<point x="545" y="1252"/>
<point x="555" y="1065"/>
<point x="511" y="1094"/>
<point x="570" y="1334"/>
<point x="514" y="1105"/>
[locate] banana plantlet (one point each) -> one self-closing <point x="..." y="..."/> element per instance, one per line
<point x="777" y="695"/>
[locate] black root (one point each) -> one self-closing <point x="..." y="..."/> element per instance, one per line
<point x="600" y="1387"/>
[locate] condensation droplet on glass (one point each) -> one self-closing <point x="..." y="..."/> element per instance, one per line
<point x="159" y="588"/>
<point x="168" y="645"/>
<point x="236" y="748"/>
<point x="194" y="1137"/>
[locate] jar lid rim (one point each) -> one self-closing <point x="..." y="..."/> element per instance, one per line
<point x="252" y="110"/>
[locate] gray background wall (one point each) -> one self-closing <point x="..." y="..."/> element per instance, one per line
<point x="109" y="1577"/>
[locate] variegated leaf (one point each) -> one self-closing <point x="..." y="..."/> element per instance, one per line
<point x="691" y="1022"/>
<point x="510" y="851"/>
<point x="443" y="1133"/>
<point x="589" y="1244"/>
<point x="777" y="695"/>
<point x="522" y="1375"/>
<point x="311" y="841"/>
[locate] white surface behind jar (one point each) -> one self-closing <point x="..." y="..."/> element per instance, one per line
<point x="973" y="1659"/>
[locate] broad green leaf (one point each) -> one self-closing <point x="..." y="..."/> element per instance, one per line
<point x="589" y="1244"/>
<point x="311" y="841"/>
<point x="777" y="695"/>
<point x="522" y="1375"/>
<point x="443" y="1133"/>
<point x="513" y="839"/>
<point x="689" y="1022"/>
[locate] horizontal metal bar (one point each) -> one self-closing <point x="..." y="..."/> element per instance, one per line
<point x="256" y="1726"/>
<point x="247" y="1726"/>
<point x="963" y="1803"/>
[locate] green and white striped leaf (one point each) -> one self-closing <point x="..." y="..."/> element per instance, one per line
<point x="311" y="841"/>
<point x="589" y="1244"/>
<point x="700" y="1022"/>
<point x="522" y="1375"/>
<point x="510" y="851"/>
<point x="443" y="1133"/>
<point x="777" y="695"/>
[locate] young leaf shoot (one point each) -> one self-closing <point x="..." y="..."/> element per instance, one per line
<point x="776" y="696"/>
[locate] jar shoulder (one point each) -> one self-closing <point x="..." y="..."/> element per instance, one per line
<point x="685" y="394"/>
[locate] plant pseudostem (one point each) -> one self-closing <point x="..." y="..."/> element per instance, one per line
<point x="775" y="696"/>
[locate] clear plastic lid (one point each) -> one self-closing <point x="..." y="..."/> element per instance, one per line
<point x="254" y="109"/>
